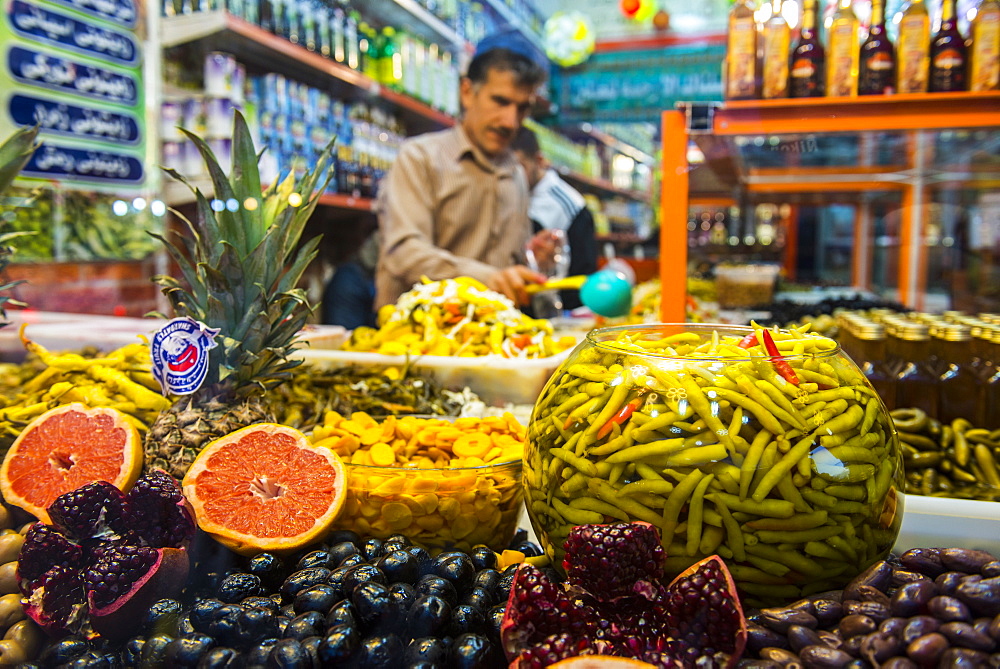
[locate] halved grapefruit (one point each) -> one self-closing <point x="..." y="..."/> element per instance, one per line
<point x="66" y="448"/>
<point x="264" y="487"/>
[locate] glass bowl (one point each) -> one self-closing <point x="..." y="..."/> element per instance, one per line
<point x="787" y="466"/>
<point x="421" y="477"/>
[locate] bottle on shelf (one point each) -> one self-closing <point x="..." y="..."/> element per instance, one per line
<point x="913" y="48"/>
<point x="948" y="54"/>
<point x="338" y="48"/>
<point x="842" y="53"/>
<point x="908" y="349"/>
<point x="368" y="49"/>
<point x="807" y="65"/>
<point x="390" y="59"/>
<point x="984" y="49"/>
<point x="957" y="386"/>
<point x="776" y="43"/>
<point x="877" y="61"/>
<point x="740" y="75"/>
<point x="352" y="47"/>
<point x="307" y="23"/>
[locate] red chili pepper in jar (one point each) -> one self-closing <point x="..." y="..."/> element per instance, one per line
<point x="623" y="415"/>
<point x="780" y="364"/>
<point x="749" y="341"/>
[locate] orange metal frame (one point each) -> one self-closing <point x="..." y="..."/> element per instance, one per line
<point x="938" y="111"/>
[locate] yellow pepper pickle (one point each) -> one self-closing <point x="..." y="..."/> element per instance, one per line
<point x="769" y="448"/>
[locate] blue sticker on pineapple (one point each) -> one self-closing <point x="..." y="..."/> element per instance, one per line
<point x="180" y="355"/>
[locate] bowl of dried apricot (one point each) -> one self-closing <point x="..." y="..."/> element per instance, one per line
<point x="443" y="483"/>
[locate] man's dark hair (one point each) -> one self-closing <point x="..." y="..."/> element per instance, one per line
<point x="526" y="71"/>
<point x="526" y="142"/>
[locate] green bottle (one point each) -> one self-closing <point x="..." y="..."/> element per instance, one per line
<point x="390" y="59"/>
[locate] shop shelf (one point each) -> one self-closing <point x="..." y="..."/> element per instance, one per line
<point x="410" y="15"/>
<point x="508" y="16"/>
<point x="257" y="47"/>
<point x="603" y="186"/>
<point x="175" y="194"/>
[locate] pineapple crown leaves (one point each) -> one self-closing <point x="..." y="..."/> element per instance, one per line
<point x="15" y="152"/>
<point x="239" y="269"/>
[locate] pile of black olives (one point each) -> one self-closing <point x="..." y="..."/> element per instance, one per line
<point x="351" y="602"/>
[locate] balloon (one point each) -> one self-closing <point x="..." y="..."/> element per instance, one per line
<point x="568" y="38"/>
<point x="607" y="293"/>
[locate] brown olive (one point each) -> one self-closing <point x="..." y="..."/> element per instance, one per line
<point x="969" y="560"/>
<point x="799" y="637"/>
<point x="855" y="624"/>
<point x="927" y="649"/>
<point x="899" y="663"/>
<point x="912" y="598"/>
<point x="991" y="569"/>
<point x="8" y="578"/>
<point x="780" y="620"/>
<point x="10" y="546"/>
<point x="963" y="658"/>
<point x="880" y="646"/>
<point x="5" y="519"/>
<point x="759" y="637"/>
<point x="28" y="634"/>
<point x="10" y="610"/>
<point x="948" y="581"/>
<point x="946" y="609"/>
<point x="783" y="657"/>
<point x="874" y="610"/>
<point x="983" y="596"/>
<point x="892" y="626"/>
<point x="918" y="626"/>
<point x="966" y="636"/>
<point x="824" y="657"/>
<point x="868" y="593"/>
<point x="828" y="612"/>
<point x="12" y="653"/>
<point x="924" y="560"/>
<point x="879" y="576"/>
<point x="901" y="576"/>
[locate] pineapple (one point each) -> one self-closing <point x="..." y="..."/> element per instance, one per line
<point x="14" y="153"/>
<point x="239" y="274"/>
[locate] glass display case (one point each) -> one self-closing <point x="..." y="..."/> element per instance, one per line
<point x="896" y="195"/>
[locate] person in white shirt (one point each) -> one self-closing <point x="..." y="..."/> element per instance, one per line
<point x="555" y="205"/>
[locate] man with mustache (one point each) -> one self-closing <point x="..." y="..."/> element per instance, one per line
<point x="455" y="202"/>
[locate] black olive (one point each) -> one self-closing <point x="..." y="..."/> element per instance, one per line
<point x="435" y="585"/>
<point x="257" y="624"/>
<point x="398" y="538"/>
<point x="529" y="548"/>
<point x="302" y="579"/>
<point x="288" y="611"/>
<point x="429" y="616"/>
<point x="203" y="611"/>
<point x="221" y="658"/>
<point x="399" y="566"/>
<point x="258" y="655"/>
<point x="341" y="613"/>
<point x="225" y="626"/>
<point x="390" y="546"/>
<point x="381" y="651"/>
<point x="339" y="644"/>
<point x="426" y="649"/>
<point x="317" y="598"/>
<point x="502" y="591"/>
<point x="269" y="567"/>
<point x="259" y="602"/>
<point x="305" y="625"/>
<point x="494" y="618"/>
<point x="373" y="548"/>
<point x="153" y="650"/>
<point x="187" y="651"/>
<point x="184" y="625"/>
<point x="479" y="598"/>
<point x="64" y="650"/>
<point x="162" y="617"/>
<point x="282" y="622"/>
<point x="289" y="654"/>
<point x="466" y="619"/>
<point x="238" y="586"/>
<point x="361" y="573"/>
<point x="487" y="579"/>
<point x="520" y="535"/>
<point x="483" y="557"/>
<point x="342" y="551"/>
<point x="472" y="651"/>
<point x="371" y="603"/>
<point x="132" y="651"/>
<point x="93" y="660"/>
<point x="353" y="560"/>
<point x="402" y="595"/>
<point x="338" y="536"/>
<point x="317" y="558"/>
<point x="423" y="558"/>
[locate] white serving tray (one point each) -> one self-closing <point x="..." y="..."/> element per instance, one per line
<point x="945" y="522"/>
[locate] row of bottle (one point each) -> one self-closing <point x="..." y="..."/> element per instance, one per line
<point x="949" y="366"/>
<point x="294" y="123"/>
<point x="761" y="60"/>
<point x="394" y="58"/>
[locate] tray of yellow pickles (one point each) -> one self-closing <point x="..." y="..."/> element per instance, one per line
<point x="465" y="335"/>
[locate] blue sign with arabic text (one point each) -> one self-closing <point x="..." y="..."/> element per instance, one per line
<point x="122" y="12"/>
<point x="97" y="166"/>
<point x="60" y="74"/>
<point x="69" y="120"/>
<point x="44" y="25"/>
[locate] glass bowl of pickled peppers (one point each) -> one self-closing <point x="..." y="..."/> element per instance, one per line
<point x="765" y="446"/>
